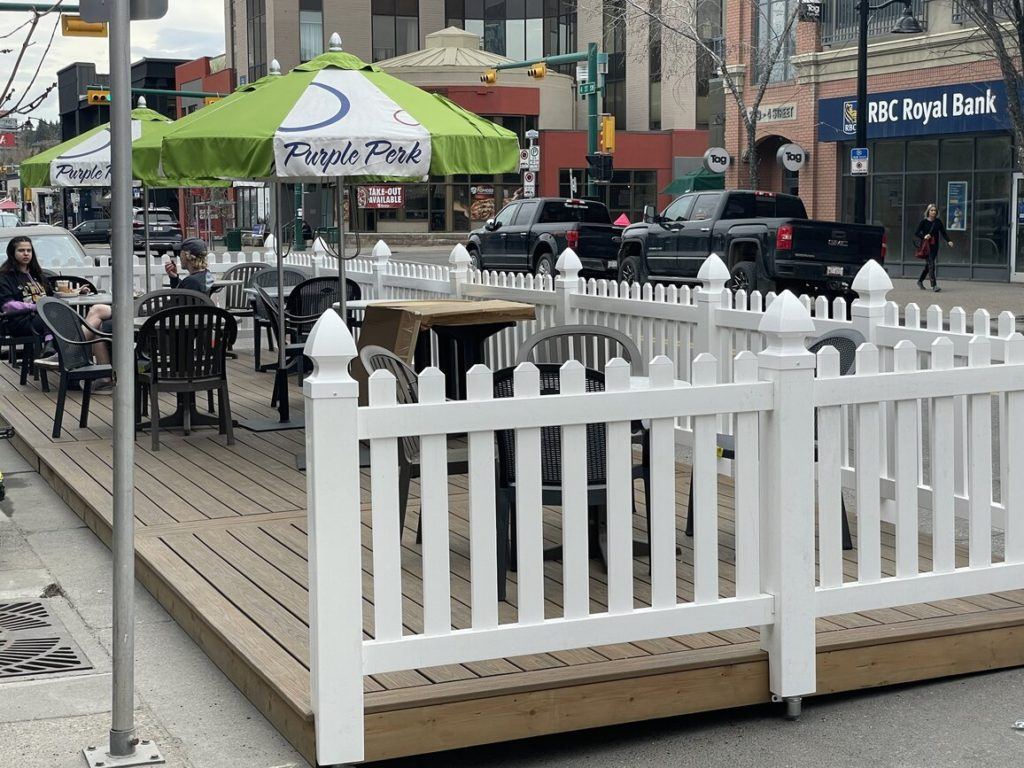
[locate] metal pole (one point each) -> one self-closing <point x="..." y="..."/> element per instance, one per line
<point x="122" y="730"/>
<point x="297" y="240"/>
<point x="342" y="286"/>
<point x="282" y="373"/>
<point x="145" y="224"/>
<point x="860" y="194"/>
<point x="591" y="114"/>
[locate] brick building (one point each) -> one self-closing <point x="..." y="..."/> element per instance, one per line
<point x="937" y="133"/>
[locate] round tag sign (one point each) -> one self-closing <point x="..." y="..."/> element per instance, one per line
<point x="792" y="157"/>
<point x="716" y="160"/>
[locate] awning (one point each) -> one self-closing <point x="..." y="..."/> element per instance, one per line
<point x="691" y="182"/>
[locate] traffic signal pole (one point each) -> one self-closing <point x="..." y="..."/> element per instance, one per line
<point x="589" y="56"/>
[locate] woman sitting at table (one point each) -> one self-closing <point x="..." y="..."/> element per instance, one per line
<point x="193" y="259"/>
<point x="21" y="286"/>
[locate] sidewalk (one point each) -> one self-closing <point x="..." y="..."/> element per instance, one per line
<point x="185" y="704"/>
<point x="968" y="294"/>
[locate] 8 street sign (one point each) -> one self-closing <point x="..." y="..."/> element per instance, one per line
<point x="588" y="89"/>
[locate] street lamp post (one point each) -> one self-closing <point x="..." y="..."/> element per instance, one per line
<point x="907" y="25"/>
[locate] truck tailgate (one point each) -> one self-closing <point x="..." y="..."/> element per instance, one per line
<point x="599" y="241"/>
<point x="836" y="242"/>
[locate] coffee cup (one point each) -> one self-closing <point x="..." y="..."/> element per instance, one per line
<point x="63" y="286"/>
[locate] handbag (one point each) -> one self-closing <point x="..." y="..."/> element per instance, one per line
<point x="924" y="249"/>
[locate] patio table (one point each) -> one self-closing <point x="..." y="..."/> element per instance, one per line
<point x="88" y="299"/>
<point x="461" y="327"/>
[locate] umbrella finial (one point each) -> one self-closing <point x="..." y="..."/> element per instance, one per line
<point x="335" y="44"/>
<point x="275" y="67"/>
<point x="142" y="102"/>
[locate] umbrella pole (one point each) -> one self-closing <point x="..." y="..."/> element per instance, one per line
<point x="282" y="373"/>
<point x="342" y="286"/>
<point x="145" y="224"/>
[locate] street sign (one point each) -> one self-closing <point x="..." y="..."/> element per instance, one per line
<point x="791" y="157"/>
<point x="8" y="123"/>
<point x="859" y="161"/>
<point x="8" y="140"/>
<point x="572" y="186"/>
<point x="810" y="11"/>
<point x="524" y="158"/>
<point x="588" y="89"/>
<point x="529" y="184"/>
<point x="534" y="163"/>
<point x="141" y="10"/>
<point x="716" y="160"/>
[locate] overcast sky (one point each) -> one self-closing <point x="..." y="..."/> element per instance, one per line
<point x="191" y="28"/>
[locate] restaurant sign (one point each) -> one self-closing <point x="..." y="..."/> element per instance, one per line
<point x="380" y="196"/>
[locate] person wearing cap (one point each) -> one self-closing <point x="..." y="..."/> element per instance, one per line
<point x="193" y="259"/>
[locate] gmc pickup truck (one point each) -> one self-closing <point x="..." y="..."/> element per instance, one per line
<point x="765" y="239"/>
<point x="528" y="235"/>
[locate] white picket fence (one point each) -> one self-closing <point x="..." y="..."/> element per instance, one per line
<point x="802" y="433"/>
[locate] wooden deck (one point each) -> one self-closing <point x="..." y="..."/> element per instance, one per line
<point x="221" y="543"/>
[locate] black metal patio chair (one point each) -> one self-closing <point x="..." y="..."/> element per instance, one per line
<point x="311" y="298"/>
<point x="23" y="348"/>
<point x="165" y="298"/>
<point x="184" y="350"/>
<point x="74" y="355"/>
<point x="262" y="318"/>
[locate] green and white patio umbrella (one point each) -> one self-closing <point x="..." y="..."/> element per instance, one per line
<point x="337" y="117"/>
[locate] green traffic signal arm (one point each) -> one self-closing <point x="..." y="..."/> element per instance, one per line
<point x="63" y="7"/>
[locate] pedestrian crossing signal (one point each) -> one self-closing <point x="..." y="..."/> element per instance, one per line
<point x="538" y="70"/>
<point x="489" y="77"/>
<point x="97" y="97"/>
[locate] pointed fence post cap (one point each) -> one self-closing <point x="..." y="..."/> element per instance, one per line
<point x="713" y="274"/>
<point x="381" y="253"/>
<point x="872" y="284"/>
<point x="275" y="67"/>
<point x="335" y="43"/>
<point x="270" y="244"/>
<point x="459" y="257"/>
<point x="786" y="324"/>
<point x="331" y="347"/>
<point x="569" y="264"/>
<point x="141" y="104"/>
<point x="319" y="246"/>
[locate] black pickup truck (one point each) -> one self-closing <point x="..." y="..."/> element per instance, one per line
<point x="528" y="235"/>
<point x="765" y="239"/>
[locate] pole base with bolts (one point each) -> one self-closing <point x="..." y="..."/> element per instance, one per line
<point x="146" y="753"/>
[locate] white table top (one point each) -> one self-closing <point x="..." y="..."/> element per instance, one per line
<point x="87" y="299"/>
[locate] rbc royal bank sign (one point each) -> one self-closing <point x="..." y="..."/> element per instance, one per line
<point x="964" y="108"/>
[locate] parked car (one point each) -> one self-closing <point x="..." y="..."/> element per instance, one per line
<point x="765" y="239"/>
<point x="164" y="232"/>
<point x="94" y="231"/>
<point x="528" y="235"/>
<point x="55" y="247"/>
<point x="9" y="220"/>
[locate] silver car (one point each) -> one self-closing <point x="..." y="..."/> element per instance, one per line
<point x="55" y="247"/>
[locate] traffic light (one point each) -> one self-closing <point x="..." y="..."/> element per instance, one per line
<point x="74" y="26"/>
<point x="97" y="97"/>
<point x="489" y="77"/>
<point x="538" y="70"/>
<point x="606" y="136"/>
<point x="599" y="167"/>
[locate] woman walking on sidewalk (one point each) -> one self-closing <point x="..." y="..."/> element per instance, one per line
<point x="928" y="232"/>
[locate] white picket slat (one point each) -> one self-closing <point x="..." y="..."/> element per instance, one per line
<point x="483" y="561"/>
<point x="705" y="490"/>
<point x="907" y="468"/>
<point x="942" y="466"/>
<point x="575" y="533"/>
<point x="387" y="536"/>
<point x="661" y="456"/>
<point x="1013" y="490"/>
<point x="829" y="445"/>
<point x="434" y="510"/>
<point x="529" y="505"/>
<point x="980" y="451"/>
<point x="747" y="487"/>
<point x="620" y="497"/>
<point x="869" y="530"/>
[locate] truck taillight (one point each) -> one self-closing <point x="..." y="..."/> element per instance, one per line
<point x="784" y="238"/>
<point x="885" y="247"/>
<point x="572" y="239"/>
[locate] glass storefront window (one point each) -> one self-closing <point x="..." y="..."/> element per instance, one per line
<point x="991" y="235"/>
<point x="922" y="155"/>
<point x="994" y="152"/>
<point x="887" y="210"/>
<point x="889" y="156"/>
<point x="956" y="154"/>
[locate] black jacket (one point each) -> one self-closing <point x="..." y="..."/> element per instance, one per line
<point x="16" y="286"/>
<point x="934" y="228"/>
<point x="196" y="281"/>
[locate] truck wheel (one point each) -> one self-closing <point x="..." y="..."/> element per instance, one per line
<point x="474" y="259"/>
<point x="631" y="270"/>
<point x="743" y="277"/>
<point x="545" y="264"/>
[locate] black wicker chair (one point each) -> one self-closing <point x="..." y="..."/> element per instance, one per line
<point x="74" y="281"/>
<point x="845" y="341"/>
<point x="165" y="298"/>
<point x="74" y="356"/>
<point x="267" y="278"/>
<point x="551" y="469"/>
<point x="376" y="358"/>
<point x="184" y="350"/>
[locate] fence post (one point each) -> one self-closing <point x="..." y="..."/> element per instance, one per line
<point x="458" y="269"/>
<point x="333" y="525"/>
<point x="567" y="284"/>
<point x="787" y="499"/>
<point x="713" y="276"/>
<point x="872" y="286"/>
<point x="381" y="255"/>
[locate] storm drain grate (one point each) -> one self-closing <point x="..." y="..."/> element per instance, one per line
<point x="34" y="642"/>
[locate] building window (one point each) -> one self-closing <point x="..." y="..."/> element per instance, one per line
<point x="628" y="192"/>
<point x="614" y="39"/>
<point x="519" y="29"/>
<point x="396" y="28"/>
<point x="311" y="29"/>
<point x="256" y="37"/>
<point x="654" y="66"/>
<point x="772" y="18"/>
